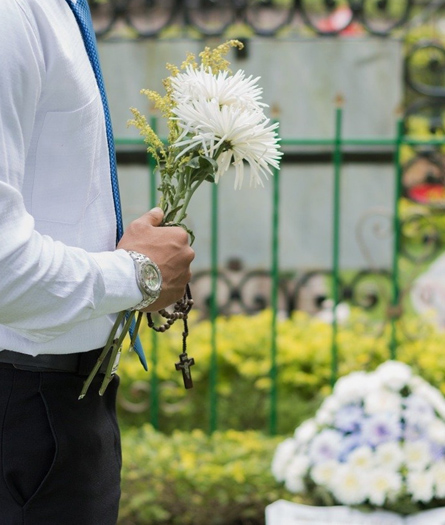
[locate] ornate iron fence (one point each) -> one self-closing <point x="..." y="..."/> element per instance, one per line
<point x="149" y="18"/>
<point x="415" y="238"/>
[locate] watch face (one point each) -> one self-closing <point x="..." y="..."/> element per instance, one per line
<point x="151" y="278"/>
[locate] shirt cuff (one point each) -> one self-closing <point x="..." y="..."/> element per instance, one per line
<point x="119" y="278"/>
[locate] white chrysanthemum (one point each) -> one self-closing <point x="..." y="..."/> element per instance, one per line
<point x="438" y="471"/>
<point x="295" y="473"/>
<point x="282" y="457"/>
<point x="383" y="400"/>
<point x="351" y="388"/>
<point x="241" y="135"/>
<point x="389" y="455"/>
<point x="394" y="374"/>
<point x="323" y="473"/>
<point x="432" y="396"/>
<point x="417" y="455"/>
<point x="381" y="428"/>
<point x="420" y="485"/>
<point x="361" y="458"/>
<point x="325" y="446"/>
<point x="382" y="484"/>
<point x="224" y="88"/>
<point x="436" y="431"/>
<point x="326" y="413"/>
<point x="349" y="485"/>
<point x="417" y="410"/>
<point x="305" y="432"/>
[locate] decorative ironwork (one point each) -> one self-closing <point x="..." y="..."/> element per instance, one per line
<point x="148" y="18"/>
<point x="331" y="17"/>
<point x="425" y="69"/>
<point x="423" y="178"/>
<point x="239" y="291"/>
<point x="380" y="291"/>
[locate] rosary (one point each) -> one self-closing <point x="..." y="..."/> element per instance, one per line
<point x="113" y="347"/>
<point x="181" y="311"/>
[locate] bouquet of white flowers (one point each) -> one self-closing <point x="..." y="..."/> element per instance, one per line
<point x="377" y="442"/>
<point x="215" y="119"/>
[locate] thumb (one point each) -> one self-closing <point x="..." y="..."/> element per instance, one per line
<point x="155" y="216"/>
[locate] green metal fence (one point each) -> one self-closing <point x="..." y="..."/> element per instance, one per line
<point x="337" y="145"/>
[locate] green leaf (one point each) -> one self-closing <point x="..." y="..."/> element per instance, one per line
<point x="208" y="161"/>
<point x="171" y="214"/>
<point x="203" y="163"/>
<point x="193" y="163"/>
<point x="203" y="175"/>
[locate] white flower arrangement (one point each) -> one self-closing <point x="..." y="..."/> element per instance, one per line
<point x="377" y="442"/>
<point x="215" y="119"/>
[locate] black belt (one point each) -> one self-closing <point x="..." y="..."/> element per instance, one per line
<point x="80" y="363"/>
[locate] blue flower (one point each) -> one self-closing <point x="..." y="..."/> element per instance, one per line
<point x="326" y="446"/>
<point x="350" y="443"/>
<point x="349" y="418"/>
<point x="381" y="428"/>
<point x="437" y="451"/>
<point x="413" y="432"/>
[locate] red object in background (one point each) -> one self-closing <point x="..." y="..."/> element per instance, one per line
<point x="338" y="19"/>
<point x="430" y="194"/>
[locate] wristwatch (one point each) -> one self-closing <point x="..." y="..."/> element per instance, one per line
<point x="148" y="277"/>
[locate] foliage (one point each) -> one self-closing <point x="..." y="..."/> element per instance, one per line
<point x="418" y="232"/>
<point x="195" y="479"/>
<point x="243" y="362"/>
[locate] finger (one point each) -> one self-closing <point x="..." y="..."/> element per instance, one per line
<point x="155" y="216"/>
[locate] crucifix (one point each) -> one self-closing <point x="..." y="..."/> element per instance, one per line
<point x="184" y="365"/>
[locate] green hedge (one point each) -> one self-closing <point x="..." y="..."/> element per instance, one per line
<point x="196" y="479"/>
<point x="243" y="363"/>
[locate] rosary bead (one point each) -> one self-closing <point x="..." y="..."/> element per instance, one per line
<point x="180" y="311"/>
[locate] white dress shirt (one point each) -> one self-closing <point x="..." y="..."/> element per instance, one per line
<point x="61" y="280"/>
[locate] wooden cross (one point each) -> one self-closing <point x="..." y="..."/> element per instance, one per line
<point x="184" y="365"/>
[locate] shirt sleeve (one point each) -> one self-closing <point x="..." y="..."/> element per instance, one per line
<point x="46" y="287"/>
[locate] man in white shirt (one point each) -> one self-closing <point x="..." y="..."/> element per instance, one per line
<point x="62" y="280"/>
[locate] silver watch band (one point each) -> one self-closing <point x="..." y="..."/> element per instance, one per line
<point x="146" y="270"/>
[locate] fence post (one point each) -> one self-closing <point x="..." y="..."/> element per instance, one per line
<point x="274" y="301"/>
<point x="214" y="311"/>
<point x="154" y="383"/>
<point x="336" y="235"/>
<point x="396" y="242"/>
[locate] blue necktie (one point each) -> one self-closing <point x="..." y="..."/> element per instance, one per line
<point x="82" y="13"/>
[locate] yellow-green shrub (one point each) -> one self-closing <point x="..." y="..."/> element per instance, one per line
<point x="304" y="360"/>
<point x="196" y="479"/>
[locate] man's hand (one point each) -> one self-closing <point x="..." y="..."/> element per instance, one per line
<point x="168" y="247"/>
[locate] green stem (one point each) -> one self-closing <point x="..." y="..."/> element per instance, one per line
<point x="136" y="330"/>
<point x="113" y="362"/>
<point x="107" y="348"/>
<point x="111" y="368"/>
<point x="179" y="193"/>
<point x="188" y="195"/>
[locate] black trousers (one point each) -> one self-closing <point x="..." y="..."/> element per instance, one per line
<point x="60" y="458"/>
